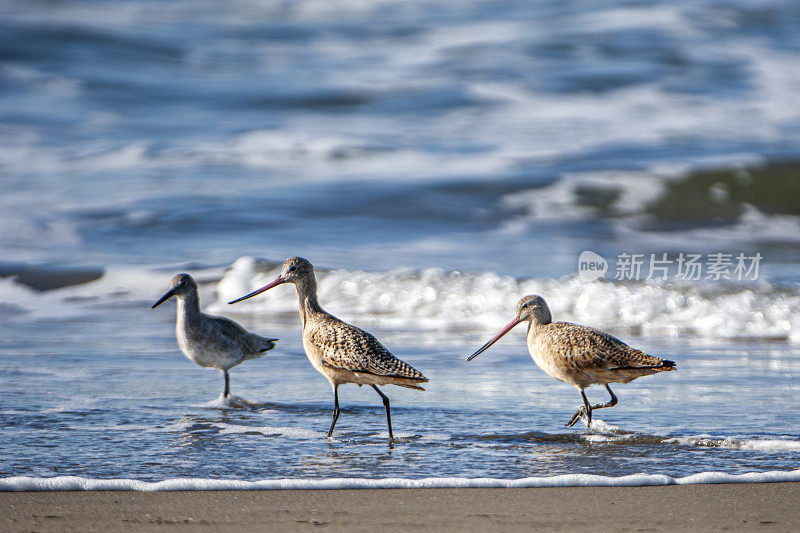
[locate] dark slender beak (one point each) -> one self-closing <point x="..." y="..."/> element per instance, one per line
<point x="494" y="339"/>
<point x="164" y="298"/>
<point x="275" y="283"/>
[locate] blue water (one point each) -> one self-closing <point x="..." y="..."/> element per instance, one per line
<point x="382" y="139"/>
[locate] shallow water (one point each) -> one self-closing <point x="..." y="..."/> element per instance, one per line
<point x="83" y="406"/>
<point x="436" y="163"/>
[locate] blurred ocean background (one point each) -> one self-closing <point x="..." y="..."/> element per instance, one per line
<point x="436" y="161"/>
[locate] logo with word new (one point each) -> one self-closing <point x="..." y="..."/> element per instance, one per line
<point x="591" y="266"/>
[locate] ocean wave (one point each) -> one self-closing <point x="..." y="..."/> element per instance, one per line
<point x="709" y="206"/>
<point x="435" y="300"/>
<point x="72" y="483"/>
<point x="578" y="103"/>
<point x="728" y="191"/>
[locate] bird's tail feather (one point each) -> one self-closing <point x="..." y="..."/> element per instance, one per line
<point x="408" y="385"/>
<point x="266" y="345"/>
<point x="664" y="366"/>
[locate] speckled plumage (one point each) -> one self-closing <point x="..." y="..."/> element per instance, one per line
<point x="579" y="355"/>
<point x="587" y="356"/>
<point x="344" y="346"/>
<point x="340" y="351"/>
<point x="208" y="340"/>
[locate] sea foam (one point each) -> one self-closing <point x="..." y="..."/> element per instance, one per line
<point x="435" y="300"/>
<point x="72" y="483"/>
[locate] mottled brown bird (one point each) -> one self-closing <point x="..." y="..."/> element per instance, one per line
<point x="340" y="351"/>
<point x="579" y="355"/>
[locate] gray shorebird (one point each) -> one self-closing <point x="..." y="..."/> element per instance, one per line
<point x="211" y="341"/>
<point x="339" y="351"/>
<point x="579" y="355"/>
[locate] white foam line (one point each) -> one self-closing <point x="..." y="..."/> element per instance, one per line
<point x="65" y="483"/>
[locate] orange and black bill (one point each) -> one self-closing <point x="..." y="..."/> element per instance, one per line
<point x="267" y="287"/>
<point x="494" y="339"/>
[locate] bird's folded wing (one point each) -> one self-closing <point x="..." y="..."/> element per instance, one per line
<point x="590" y="348"/>
<point x="232" y="333"/>
<point x="344" y="346"/>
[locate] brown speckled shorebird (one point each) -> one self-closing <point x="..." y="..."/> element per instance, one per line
<point x="339" y="351"/>
<point x="211" y="341"/>
<point x="579" y="355"/>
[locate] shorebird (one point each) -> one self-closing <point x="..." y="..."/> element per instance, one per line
<point x="340" y="351"/>
<point x="579" y="355"/>
<point x="211" y="341"/>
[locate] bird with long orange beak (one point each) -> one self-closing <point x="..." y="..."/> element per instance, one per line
<point x="340" y="351"/>
<point x="578" y="355"/>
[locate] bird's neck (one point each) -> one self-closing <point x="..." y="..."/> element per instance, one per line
<point x="536" y="326"/>
<point x="307" y="298"/>
<point x="188" y="307"/>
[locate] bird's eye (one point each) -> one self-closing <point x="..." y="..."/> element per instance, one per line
<point x="292" y="269"/>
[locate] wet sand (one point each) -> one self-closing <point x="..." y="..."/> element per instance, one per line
<point x="746" y="507"/>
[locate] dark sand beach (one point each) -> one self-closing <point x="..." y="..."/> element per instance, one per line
<point x="745" y="507"/>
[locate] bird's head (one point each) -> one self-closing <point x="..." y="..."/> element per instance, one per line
<point x="294" y="270"/>
<point x="181" y="285"/>
<point x="531" y="308"/>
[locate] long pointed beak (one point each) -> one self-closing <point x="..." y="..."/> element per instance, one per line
<point x="169" y="294"/>
<point x="275" y="283"/>
<point x="494" y="339"/>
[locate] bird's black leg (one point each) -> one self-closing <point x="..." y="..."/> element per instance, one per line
<point x="585" y="410"/>
<point x="227" y="390"/>
<point x="335" y="409"/>
<point x="385" y="406"/>
<point x="611" y="403"/>
<point x="588" y="409"/>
